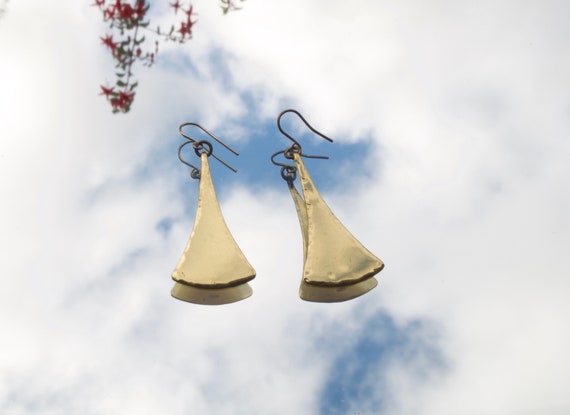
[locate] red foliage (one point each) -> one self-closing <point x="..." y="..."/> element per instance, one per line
<point x="106" y="91"/>
<point x="126" y="20"/>
<point x="108" y="41"/>
<point x="176" y="5"/>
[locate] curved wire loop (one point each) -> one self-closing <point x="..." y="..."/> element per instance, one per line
<point x="201" y="146"/>
<point x="289" y="171"/>
<point x="204" y="145"/>
<point x="296" y="146"/>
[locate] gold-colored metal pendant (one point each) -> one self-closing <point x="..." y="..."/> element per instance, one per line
<point x="336" y="266"/>
<point x="318" y="293"/>
<point x="334" y="256"/>
<point x="212" y="269"/>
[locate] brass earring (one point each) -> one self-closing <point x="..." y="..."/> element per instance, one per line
<point x="337" y="267"/>
<point x="212" y="269"/>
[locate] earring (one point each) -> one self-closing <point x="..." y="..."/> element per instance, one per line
<point x="336" y="266"/>
<point x="212" y="270"/>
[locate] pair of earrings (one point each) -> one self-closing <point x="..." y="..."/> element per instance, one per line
<point x="213" y="270"/>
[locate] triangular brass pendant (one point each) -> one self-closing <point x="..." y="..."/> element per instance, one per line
<point x="212" y="265"/>
<point x="319" y="293"/>
<point x="334" y="258"/>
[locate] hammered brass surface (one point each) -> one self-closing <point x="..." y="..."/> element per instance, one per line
<point x="322" y="294"/>
<point x="333" y="256"/>
<point x="211" y="296"/>
<point x="302" y="214"/>
<point x="212" y="258"/>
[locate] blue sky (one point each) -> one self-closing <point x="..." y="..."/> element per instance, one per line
<point x="450" y="158"/>
<point x="358" y="377"/>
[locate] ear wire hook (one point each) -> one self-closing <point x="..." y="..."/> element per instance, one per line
<point x="296" y="147"/>
<point x="289" y="171"/>
<point x="204" y="145"/>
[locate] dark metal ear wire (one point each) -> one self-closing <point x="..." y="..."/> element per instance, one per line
<point x="296" y="147"/>
<point x="201" y="146"/>
<point x="289" y="171"/>
<point x="195" y="173"/>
